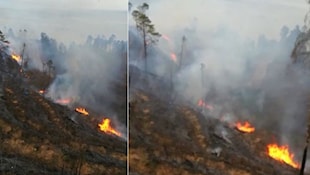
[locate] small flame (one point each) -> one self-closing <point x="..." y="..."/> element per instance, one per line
<point x="106" y="127"/>
<point x="165" y="37"/>
<point x="16" y="57"/>
<point x="41" y="91"/>
<point x="81" y="110"/>
<point x="201" y="103"/>
<point x="282" y="154"/>
<point x="173" y="57"/>
<point x="63" y="101"/>
<point x="245" y="127"/>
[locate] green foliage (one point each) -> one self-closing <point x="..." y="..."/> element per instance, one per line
<point x="144" y="24"/>
<point x="146" y="28"/>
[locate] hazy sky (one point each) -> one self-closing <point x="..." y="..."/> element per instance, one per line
<point x="68" y="20"/>
<point x="66" y="4"/>
<point x="248" y="17"/>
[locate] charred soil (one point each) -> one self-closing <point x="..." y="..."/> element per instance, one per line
<point x="177" y="138"/>
<point x="39" y="136"/>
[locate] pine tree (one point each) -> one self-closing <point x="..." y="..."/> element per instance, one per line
<point x="146" y="28"/>
<point x="2" y="37"/>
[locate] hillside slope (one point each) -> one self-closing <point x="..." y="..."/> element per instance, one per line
<point x="176" y="137"/>
<point x="41" y="137"/>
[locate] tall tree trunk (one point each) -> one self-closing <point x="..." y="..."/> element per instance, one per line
<point x="202" y="68"/>
<point x="304" y="157"/>
<point x="182" y="52"/>
<point x="144" y="49"/>
<point x="171" y="77"/>
<point x="22" y="56"/>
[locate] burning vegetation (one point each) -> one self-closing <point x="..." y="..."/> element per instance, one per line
<point x="203" y="99"/>
<point x="38" y="135"/>
<point x="65" y="101"/>
<point x="16" y="57"/>
<point x="245" y="127"/>
<point x="106" y="127"/>
<point x="81" y="110"/>
<point x="203" y="143"/>
<point x="282" y="154"/>
<point x="203" y="104"/>
<point x="41" y="91"/>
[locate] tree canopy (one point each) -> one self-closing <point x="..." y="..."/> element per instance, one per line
<point x="146" y="28"/>
<point x="144" y="24"/>
<point x="2" y="37"/>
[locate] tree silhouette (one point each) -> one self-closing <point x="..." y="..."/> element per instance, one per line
<point x="146" y="28"/>
<point x="2" y="37"/>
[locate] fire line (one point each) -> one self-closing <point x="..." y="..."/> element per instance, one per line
<point x="81" y="110"/>
<point x="16" y="57"/>
<point x="63" y="101"/>
<point x="106" y="127"/>
<point x="245" y="127"/>
<point x="282" y="154"/>
<point x="201" y="103"/>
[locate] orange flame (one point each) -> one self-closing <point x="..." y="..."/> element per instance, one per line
<point x="81" y="110"/>
<point x="282" y="154"/>
<point x="201" y="103"/>
<point x="41" y="91"/>
<point x="245" y="127"/>
<point x="16" y="57"/>
<point x="63" y="101"/>
<point x="106" y="127"/>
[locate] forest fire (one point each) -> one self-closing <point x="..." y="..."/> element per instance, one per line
<point x="282" y="154"/>
<point x="81" y="110"/>
<point x="63" y="101"/>
<point x="245" y="127"/>
<point x="16" y="57"/>
<point x="201" y="103"/>
<point x="41" y="91"/>
<point x="173" y="57"/>
<point x="106" y="127"/>
<point x="165" y="37"/>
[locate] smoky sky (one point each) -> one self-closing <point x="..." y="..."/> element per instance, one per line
<point x="66" y="21"/>
<point x="68" y="4"/>
<point x="248" y="17"/>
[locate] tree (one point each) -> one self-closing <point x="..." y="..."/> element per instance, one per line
<point x="284" y="32"/>
<point x="89" y="40"/>
<point x="129" y="6"/>
<point x="48" y="46"/>
<point x="182" y="52"/>
<point x="300" y="54"/>
<point x="2" y="37"/>
<point x="146" y="28"/>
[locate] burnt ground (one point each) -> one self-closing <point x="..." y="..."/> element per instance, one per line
<point x="41" y="137"/>
<point x="177" y="138"/>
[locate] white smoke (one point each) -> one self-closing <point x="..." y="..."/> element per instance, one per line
<point x="237" y="58"/>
